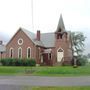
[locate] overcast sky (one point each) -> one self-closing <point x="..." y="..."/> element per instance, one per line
<point x="46" y="13"/>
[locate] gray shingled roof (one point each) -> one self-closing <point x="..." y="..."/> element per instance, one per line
<point x="39" y="43"/>
<point x="47" y="39"/>
<point x="32" y="36"/>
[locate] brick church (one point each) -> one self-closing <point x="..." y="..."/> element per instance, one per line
<point x="46" y="48"/>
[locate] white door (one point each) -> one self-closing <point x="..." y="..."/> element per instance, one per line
<point x="60" y="55"/>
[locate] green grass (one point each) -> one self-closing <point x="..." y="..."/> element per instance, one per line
<point x="63" y="71"/>
<point x="45" y="71"/>
<point x="13" y="70"/>
<point x="59" y="88"/>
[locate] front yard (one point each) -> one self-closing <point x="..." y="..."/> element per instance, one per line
<point x="45" y="71"/>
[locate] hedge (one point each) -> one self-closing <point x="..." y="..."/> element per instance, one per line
<point x="18" y="62"/>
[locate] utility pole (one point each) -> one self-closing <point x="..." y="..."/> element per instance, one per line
<point x="32" y="14"/>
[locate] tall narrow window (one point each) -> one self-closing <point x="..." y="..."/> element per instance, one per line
<point x="19" y="52"/>
<point x="28" y="52"/>
<point x="11" y="53"/>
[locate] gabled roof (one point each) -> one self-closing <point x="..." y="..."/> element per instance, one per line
<point x="61" y="24"/>
<point x="28" y="33"/>
<point x="47" y="39"/>
<point x="32" y="36"/>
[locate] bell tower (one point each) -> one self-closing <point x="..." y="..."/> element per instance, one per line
<point x="61" y="43"/>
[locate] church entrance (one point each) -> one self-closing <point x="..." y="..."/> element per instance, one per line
<point x="60" y="55"/>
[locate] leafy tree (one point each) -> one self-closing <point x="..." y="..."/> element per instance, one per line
<point x="78" y="39"/>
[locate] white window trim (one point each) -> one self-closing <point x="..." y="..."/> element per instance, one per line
<point x="18" y="52"/>
<point x="19" y="42"/>
<point x="10" y="52"/>
<point x="30" y="52"/>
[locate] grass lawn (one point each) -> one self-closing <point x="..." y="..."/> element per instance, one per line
<point x="58" y="88"/>
<point x="45" y="71"/>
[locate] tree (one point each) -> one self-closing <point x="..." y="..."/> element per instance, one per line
<point x="77" y="39"/>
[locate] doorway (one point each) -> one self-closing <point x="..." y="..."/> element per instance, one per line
<point x="60" y="54"/>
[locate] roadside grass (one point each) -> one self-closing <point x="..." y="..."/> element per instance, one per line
<point x="63" y="71"/>
<point x="59" y="88"/>
<point x="8" y="70"/>
<point x="45" y="71"/>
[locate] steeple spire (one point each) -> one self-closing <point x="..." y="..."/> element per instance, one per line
<point x="60" y="24"/>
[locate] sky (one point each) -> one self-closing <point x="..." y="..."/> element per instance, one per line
<point x="45" y="16"/>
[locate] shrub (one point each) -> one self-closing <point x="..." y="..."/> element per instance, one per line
<point x="18" y="62"/>
<point x="7" y="62"/>
<point x="29" y="62"/>
<point x="32" y="62"/>
<point x="81" y="60"/>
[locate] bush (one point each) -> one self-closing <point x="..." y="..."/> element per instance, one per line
<point x="32" y="62"/>
<point x="81" y="60"/>
<point x="7" y="62"/>
<point x="18" y="62"/>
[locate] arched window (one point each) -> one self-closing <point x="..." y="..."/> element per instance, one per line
<point x="19" y="52"/>
<point x="11" y="52"/>
<point x="28" y="52"/>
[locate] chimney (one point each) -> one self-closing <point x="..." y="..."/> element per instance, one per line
<point x="38" y="35"/>
<point x="1" y="42"/>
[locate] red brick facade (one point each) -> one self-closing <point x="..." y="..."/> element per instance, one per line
<point x="57" y="54"/>
<point x="26" y="43"/>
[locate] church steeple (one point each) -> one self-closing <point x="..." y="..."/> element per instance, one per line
<point x="60" y="32"/>
<point x="60" y="26"/>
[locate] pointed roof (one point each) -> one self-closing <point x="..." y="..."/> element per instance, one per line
<point x="60" y="24"/>
<point x="47" y="39"/>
